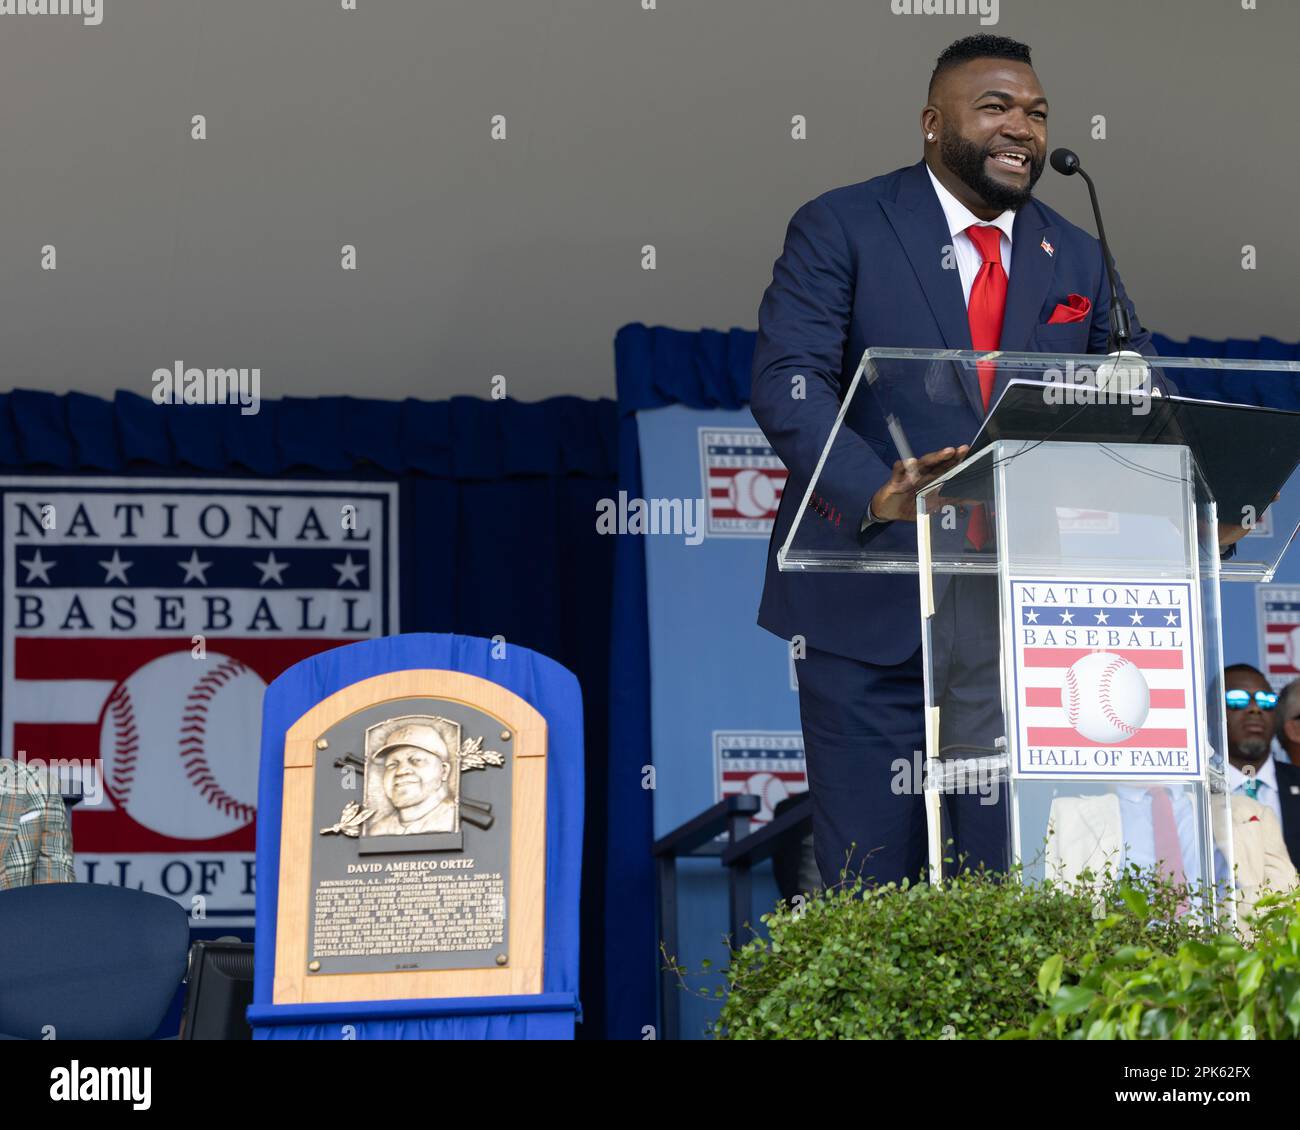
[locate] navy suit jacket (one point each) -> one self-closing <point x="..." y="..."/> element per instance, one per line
<point x="1288" y="778"/>
<point x="863" y="265"/>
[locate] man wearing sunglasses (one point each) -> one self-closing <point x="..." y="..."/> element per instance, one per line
<point x="1253" y="771"/>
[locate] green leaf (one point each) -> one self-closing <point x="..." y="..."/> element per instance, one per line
<point x="1049" y="976"/>
<point x="1137" y="903"/>
<point x="1071" y="1000"/>
<point x="1250" y="974"/>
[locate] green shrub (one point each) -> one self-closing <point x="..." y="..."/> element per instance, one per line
<point x="916" y="962"/>
<point x="1209" y="989"/>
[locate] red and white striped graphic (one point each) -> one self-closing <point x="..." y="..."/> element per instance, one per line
<point x="1045" y="719"/>
<point x="1279" y="633"/>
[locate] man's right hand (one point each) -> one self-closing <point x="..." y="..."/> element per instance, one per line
<point x="896" y="500"/>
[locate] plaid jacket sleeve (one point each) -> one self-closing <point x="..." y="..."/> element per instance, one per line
<point x="35" y="842"/>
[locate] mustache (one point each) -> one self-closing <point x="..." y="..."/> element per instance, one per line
<point x="1037" y="161"/>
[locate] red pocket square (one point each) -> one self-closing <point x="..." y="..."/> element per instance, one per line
<point x="1074" y="309"/>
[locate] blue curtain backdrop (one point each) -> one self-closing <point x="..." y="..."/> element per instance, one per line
<point x="497" y="511"/>
<point x="656" y="367"/>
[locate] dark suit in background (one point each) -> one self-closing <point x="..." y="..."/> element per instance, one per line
<point x="1288" y="795"/>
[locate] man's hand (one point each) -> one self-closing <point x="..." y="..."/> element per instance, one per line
<point x="896" y="500"/>
<point x="1230" y="533"/>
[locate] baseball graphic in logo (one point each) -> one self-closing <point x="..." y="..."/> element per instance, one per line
<point x="196" y="745"/>
<point x="752" y="493"/>
<point x="769" y="788"/>
<point x="1106" y="699"/>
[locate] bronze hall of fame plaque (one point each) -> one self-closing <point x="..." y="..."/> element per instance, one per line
<point x="410" y="864"/>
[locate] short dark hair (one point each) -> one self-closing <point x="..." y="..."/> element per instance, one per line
<point x="1242" y="668"/>
<point x="1218" y="684"/>
<point x="979" y="47"/>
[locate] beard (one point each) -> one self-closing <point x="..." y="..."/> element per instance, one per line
<point x="966" y="160"/>
<point x="1252" y="750"/>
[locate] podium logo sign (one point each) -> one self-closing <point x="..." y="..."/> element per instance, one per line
<point x="1104" y="679"/>
<point x="743" y="481"/>
<point x="143" y="619"/>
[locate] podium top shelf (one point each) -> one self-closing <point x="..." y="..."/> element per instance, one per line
<point x="1041" y="360"/>
<point x="1240" y="419"/>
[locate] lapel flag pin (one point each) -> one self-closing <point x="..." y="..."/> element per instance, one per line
<point x="1048" y="247"/>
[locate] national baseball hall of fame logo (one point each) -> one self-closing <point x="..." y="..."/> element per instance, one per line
<point x="743" y="481"/>
<point x="143" y="619"/>
<point x="1104" y="679"/>
<point x="767" y="764"/>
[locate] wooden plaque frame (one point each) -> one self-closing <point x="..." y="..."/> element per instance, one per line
<point x="298" y="827"/>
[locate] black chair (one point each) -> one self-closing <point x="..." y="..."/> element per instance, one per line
<point x="86" y="961"/>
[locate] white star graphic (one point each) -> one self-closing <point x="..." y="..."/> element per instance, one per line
<point x="1102" y="618"/>
<point x="194" y="569"/>
<point x="1136" y="619"/>
<point x="1067" y="617"/>
<point x="1171" y="617"/>
<point x="38" y="568"/>
<point x="1031" y="617"/>
<point x="348" y="572"/>
<point x="271" y="569"/>
<point x="115" y="569"/>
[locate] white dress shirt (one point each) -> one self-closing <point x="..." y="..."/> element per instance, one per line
<point x="1139" y="830"/>
<point x="1266" y="792"/>
<point x="969" y="259"/>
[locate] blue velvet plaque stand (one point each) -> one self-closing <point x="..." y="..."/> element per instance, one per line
<point x="554" y="693"/>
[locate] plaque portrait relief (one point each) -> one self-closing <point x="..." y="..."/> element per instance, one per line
<point x="412" y="776"/>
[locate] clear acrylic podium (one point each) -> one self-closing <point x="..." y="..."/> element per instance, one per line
<point x="1069" y="576"/>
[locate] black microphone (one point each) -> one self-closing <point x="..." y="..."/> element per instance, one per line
<point x="1066" y="162"/>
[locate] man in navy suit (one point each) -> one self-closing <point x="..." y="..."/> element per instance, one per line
<point x="951" y="253"/>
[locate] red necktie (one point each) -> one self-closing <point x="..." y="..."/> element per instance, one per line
<point x="988" y="302"/>
<point x="1169" y="849"/>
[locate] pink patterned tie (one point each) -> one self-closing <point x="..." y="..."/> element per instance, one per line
<point x="1169" y="849"/>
